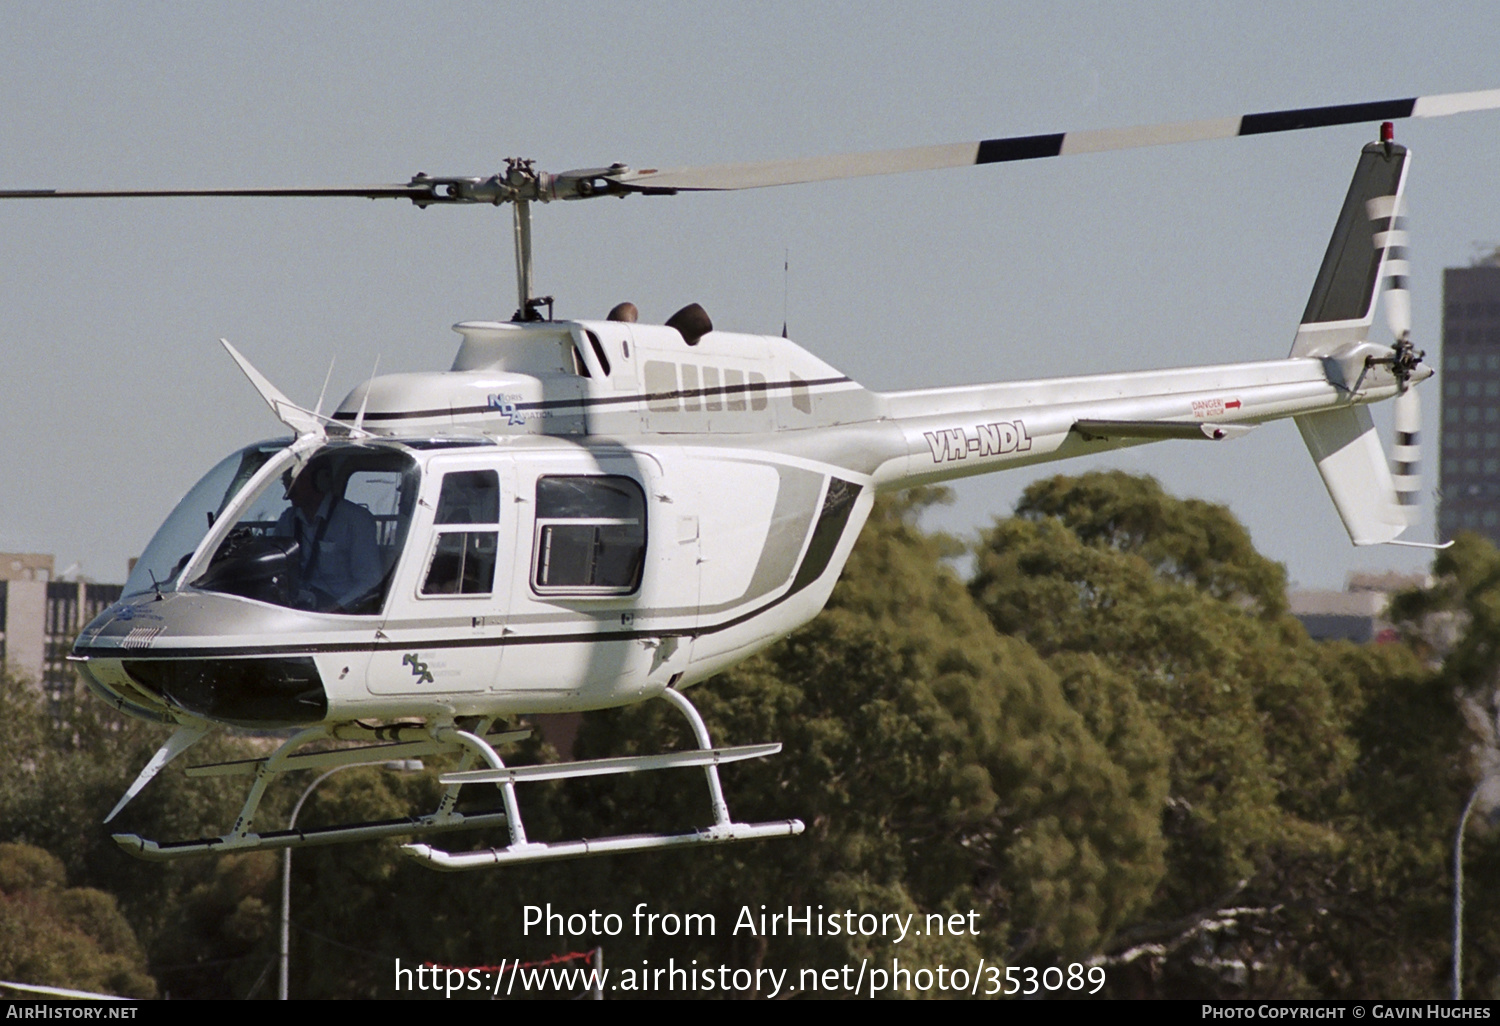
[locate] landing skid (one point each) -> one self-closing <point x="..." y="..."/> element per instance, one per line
<point x="521" y="849"/>
<point x="408" y="742"/>
<point x="275" y="839"/>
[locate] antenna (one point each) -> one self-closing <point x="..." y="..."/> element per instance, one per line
<point x="786" y="269"/>
<point x="318" y="410"/>
<point x="359" y="419"/>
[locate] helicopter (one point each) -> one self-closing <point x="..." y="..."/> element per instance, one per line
<point x="585" y="514"/>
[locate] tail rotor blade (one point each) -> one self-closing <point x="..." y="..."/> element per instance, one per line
<point x="1406" y="457"/>
<point x="1391" y="239"/>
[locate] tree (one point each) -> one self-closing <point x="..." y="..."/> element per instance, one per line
<point x="1308" y="785"/>
<point x="58" y="936"/>
<point x="1457" y="620"/>
<point x="74" y="759"/>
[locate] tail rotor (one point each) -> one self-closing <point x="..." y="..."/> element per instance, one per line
<point x="1405" y="358"/>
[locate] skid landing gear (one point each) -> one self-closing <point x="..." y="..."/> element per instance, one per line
<point x="473" y="745"/>
<point x="521" y="849"/>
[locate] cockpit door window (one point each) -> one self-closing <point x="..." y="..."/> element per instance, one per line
<point x="464" y="551"/>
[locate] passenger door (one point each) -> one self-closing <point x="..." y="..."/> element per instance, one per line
<point x="451" y="598"/>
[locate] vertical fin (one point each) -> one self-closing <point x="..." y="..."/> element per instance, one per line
<point x="1366" y="235"/>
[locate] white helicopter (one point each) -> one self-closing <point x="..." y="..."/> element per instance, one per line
<point x="580" y="515"/>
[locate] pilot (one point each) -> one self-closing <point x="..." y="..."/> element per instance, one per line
<point x="336" y="547"/>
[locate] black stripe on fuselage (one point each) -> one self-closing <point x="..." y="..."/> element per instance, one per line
<point x="830" y="528"/>
<point x="603" y="400"/>
<point x="329" y="648"/>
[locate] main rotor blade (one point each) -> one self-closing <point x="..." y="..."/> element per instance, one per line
<point x="760" y="174"/>
<point x="416" y="193"/>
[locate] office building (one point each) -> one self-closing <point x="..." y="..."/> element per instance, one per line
<point x="41" y="615"/>
<point x="1469" y="467"/>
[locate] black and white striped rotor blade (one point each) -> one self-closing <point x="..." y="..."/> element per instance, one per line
<point x="1406" y="457"/>
<point x="415" y="192"/>
<point x="761" y="174"/>
<point x="1388" y="214"/>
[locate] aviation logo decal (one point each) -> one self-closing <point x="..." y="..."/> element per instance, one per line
<point x="1215" y="407"/>
<point x="995" y="439"/>
<point x="418" y="668"/>
<point x="507" y="408"/>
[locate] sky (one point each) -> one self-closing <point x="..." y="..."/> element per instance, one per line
<point x="115" y="396"/>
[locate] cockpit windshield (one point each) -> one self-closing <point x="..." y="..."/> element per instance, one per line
<point x="177" y="539"/>
<point x="323" y="538"/>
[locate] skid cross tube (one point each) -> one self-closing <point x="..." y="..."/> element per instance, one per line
<point x="441" y="739"/>
<point x="523" y="850"/>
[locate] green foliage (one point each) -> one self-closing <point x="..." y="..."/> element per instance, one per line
<point x="1254" y="733"/>
<point x="1111" y="740"/>
<point x="59" y="936"/>
<point x="1187" y="540"/>
<point x="76" y="759"/>
<point x="1311" y="786"/>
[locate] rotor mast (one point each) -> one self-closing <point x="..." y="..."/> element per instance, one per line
<point x="521" y="229"/>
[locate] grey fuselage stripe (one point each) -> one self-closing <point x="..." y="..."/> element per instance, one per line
<point x="329" y="648"/>
<point x="605" y="400"/>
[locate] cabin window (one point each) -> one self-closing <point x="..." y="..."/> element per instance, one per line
<point x="661" y="386"/>
<point x="690" y="394"/>
<point x="590" y="535"/>
<point x="758" y="399"/>
<point x="801" y="400"/>
<point x="464" y="553"/>
<point x="713" y="399"/>
<point x="734" y="385"/>
<point x="599" y="352"/>
<point x="178" y="538"/>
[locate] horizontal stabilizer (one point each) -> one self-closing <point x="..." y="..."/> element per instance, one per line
<point x="1154" y="430"/>
<point x="1347" y="451"/>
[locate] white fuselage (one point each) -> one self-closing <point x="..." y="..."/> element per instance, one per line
<point x="749" y="467"/>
